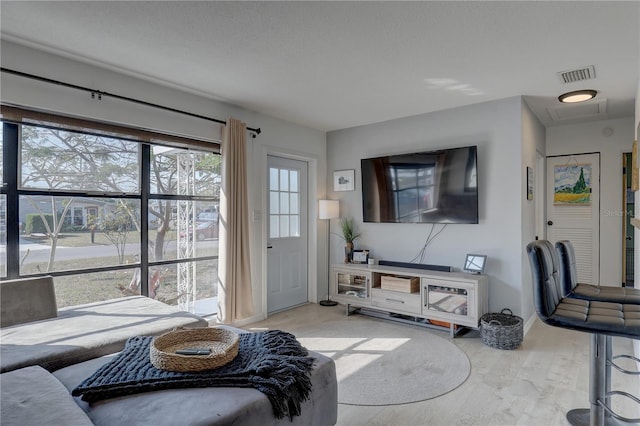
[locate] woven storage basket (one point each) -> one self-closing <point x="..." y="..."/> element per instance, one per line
<point x="222" y="342"/>
<point x="501" y="331"/>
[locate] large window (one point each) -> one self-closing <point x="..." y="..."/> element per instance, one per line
<point x="109" y="216"/>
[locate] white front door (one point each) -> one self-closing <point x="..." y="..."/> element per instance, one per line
<point x="287" y="258"/>
<point x="573" y="209"/>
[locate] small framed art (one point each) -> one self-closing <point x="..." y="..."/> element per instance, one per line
<point x="474" y="263"/>
<point x="529" y="183"/>
<point x="344" y="180"/>
<point x="360" y="256"/>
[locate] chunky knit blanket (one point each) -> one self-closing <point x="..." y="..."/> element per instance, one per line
<point x="272" y="362"/>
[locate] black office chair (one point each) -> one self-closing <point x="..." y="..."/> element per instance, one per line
<point x="601" y="319"/>
<point x="571" y="287"/>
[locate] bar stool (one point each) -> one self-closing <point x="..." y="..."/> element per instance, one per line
<point x="601" y="319"/>
<point x="571" y="287"/>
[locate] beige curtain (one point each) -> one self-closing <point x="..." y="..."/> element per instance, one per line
<point x="235" y="298"/>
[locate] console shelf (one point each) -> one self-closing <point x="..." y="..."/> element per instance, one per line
<point x="442" y="299"/>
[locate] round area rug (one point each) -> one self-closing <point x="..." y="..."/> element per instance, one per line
<point x="381" y="362"/>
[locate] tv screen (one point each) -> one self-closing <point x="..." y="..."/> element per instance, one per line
<point x="424" y="187"/>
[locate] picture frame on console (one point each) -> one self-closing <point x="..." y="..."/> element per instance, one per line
<point x="475" y="263"/>
<point x="360" y="256"/>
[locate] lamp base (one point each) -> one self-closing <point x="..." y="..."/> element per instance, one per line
<point x="327" y="302"/>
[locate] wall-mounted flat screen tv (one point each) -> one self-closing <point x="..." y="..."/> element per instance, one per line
<point x="423" y="187"/>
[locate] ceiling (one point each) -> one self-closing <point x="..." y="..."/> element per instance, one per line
<point x="334" y="65"/>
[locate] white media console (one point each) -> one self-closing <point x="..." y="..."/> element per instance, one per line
<point x="423" y="297"/>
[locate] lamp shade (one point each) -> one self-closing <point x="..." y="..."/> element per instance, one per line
<point x="328" y="209"/>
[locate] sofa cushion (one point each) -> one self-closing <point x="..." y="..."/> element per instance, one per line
<point x="219" y="406"/>
<point x="26" y="300"/>
<point x="88" y="331"/>
<point x="33" y="396"/>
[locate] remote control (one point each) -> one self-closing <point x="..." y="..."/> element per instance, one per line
<point x="194" y="351"/>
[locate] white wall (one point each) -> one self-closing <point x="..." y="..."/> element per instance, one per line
<point x="586" y="138"/>
<point x="277" y="136"/>
<point x="496" y="128"/>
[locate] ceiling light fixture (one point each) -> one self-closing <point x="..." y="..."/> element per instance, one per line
<point x="577" y="96"/>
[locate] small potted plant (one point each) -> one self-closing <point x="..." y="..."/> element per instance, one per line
<point x="349" y="235"/>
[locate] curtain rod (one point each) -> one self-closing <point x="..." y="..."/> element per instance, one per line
<point x="100" y="94"/>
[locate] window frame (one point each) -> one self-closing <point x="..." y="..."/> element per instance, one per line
<point x="13" y="118"/>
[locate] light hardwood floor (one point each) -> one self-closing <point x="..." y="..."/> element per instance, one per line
<point x="535" y="384"/>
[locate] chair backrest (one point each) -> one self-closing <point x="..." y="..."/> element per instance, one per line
<point x="27" y="300"/>
<point x="547" y="291"/>
<point x="567" y="263"/>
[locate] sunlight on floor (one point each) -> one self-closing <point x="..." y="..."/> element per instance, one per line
<point x="352" y="363"/>
<point x="323" y="344"/>
<point x="381" y="344"/>
<point x="352" y="353"/>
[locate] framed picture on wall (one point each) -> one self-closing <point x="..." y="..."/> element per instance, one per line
<point x="572" y="184"/>
<point x="529" y="183"/>
<point x="344" y="180"/>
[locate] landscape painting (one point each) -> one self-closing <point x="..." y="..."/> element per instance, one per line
<point x="572" y="184"/>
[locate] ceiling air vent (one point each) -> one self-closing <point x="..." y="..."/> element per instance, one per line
<point x="571" y="76"/>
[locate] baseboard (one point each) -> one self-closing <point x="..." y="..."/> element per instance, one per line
<point x="529" y="324"/>
<point x="242" y="322"/>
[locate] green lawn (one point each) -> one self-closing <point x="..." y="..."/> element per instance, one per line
<point x="92" y="287"/>
<point x="85" y="288"/>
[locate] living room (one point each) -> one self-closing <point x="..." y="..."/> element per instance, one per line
<point x="509" y="135"/>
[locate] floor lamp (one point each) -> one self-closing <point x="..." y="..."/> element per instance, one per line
<point x="328" y="209"/>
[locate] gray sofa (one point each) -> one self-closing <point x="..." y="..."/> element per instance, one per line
<point x="46" y="352"/>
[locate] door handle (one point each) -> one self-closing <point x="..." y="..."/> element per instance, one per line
<point x="269" y="247"/>
<point x="550" y="223"/>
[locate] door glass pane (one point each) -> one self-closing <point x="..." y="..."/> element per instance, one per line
<point x="294" y="226"/>
<point x="294" y="181"/>
<point x="294" y="204"/>
<point x="273" y="179"/>
<point x="274" y="203"/>
<point x="284" y="203"/>
<point x="71" y="161"/>
<point x="284" y="180"/>
<point x="284" y="226"/>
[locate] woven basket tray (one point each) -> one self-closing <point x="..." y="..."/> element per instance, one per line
<point x="222" y="342"/>
<point x="501" y="331"/>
